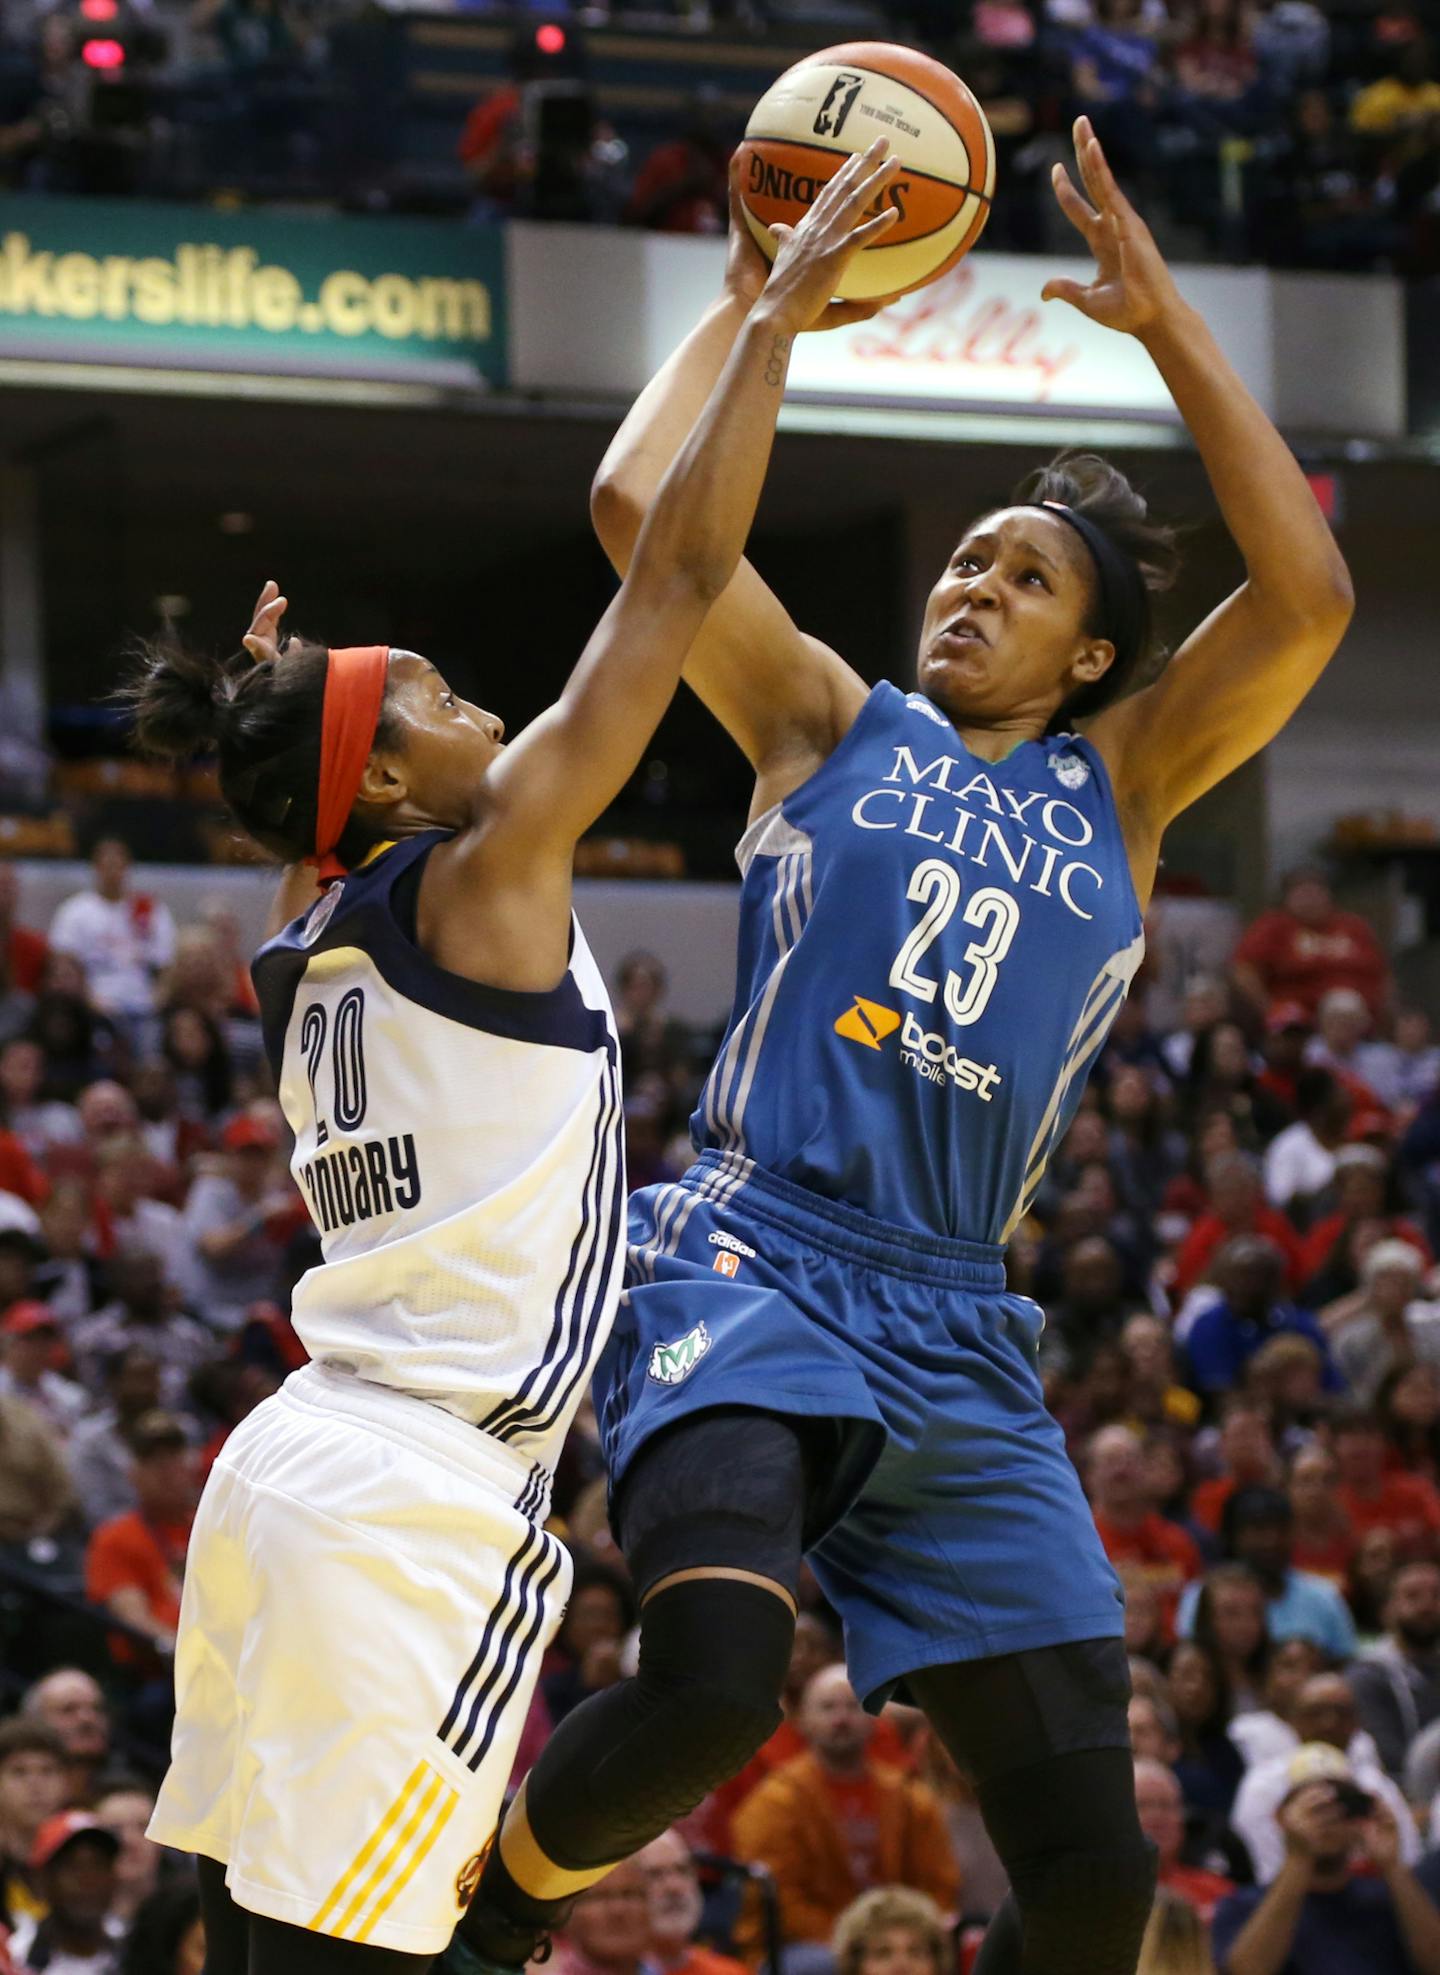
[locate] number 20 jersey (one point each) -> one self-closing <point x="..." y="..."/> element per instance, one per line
<point x="932" y="950"/>
<point x="460" y="1150"/>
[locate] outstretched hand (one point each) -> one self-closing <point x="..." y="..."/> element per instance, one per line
<point x="262" y="640"/>
<point x="1132" y="289"/>
<point x="747" y="270"/>
<point x="850" y="214"/>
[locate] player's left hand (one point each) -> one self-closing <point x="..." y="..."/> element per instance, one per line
<point x="262" y="640"/>
<point x="1133" y="289"/>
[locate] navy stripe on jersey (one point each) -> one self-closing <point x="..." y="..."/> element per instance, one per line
<point x="532" y="1494"/>
<point x="374" y="912"/>
<point x="507" y="1660"/>
<point x="520" y="1659"/>
<point x="607" y="1223"/>
<point x="528" y="1542"/>
<point x="600" y="1201"/>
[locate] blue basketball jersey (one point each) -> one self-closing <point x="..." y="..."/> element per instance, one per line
<point x="932" y="950"/>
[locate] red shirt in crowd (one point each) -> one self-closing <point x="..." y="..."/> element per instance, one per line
<point x="1403" y="1502"/>
<point x="1198" y="1888"/>
<point x="19" y="1173"/>
<point x="703" y="1961"/>
<point x="1316" y="1247"/>
<point x="132" y="1551"/>
<point x="1167" y="1557"/>
<point x="1210" y="1233"/>
<point x="1302" y="963"/>
<point x="1330" y="1559"/>
<point x="784" y="1745"/>
<point x="27" y="951"/>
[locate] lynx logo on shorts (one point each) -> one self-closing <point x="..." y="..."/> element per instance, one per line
<point x="727" y="1264"/>
<point x="670" y="1363"/>
<point x="867" y="1022"/>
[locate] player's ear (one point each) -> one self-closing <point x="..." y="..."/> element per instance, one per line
<point x="1091" y="662"/>
<point x="383" y="782"/>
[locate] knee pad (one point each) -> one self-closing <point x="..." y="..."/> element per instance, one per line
<point x="1084" y="1912"/>
<point x="714" y="1653"/>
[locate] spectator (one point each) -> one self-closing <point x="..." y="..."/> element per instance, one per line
<point x="193" y="1044"/>
<point x="70" y="1276"/>
<point x="1335" y="1248"/>
<point x="128" y="1216"/>
<point x="1269" y="1731"/>
<point x="1209" y="1765"/>
<point x="1146" y="1151"/>
<point x="1092" y="1305"/>
<point x="608" y="1932"/>
<point x="36" y="1498"/>
<point x="1154" y="1729"/>
<point x="1324" y="1713"/>
<point x="1153" y="1392"/>
<point x="1403" y="101"/>
<point x="587" y="1648"/>
<point x="1247" y="1455"/>
<point x="1317" y="1914"/>
<point x="80" y="1044"/>
<point x="1372" y="1499"/>
<point x="1222" y="1078"/>
<point x="39" y="1123"/>
<point x="101" y="1461"/>
<point x="142" y="1314"/>
<point x="135" y="1563"/>
<point x="1386" y="1325"/>
<point x="1235" y="1205"/>
<point x="833" y="1823"/>
<point x="32" y="1788"/>
<point x="1177" y="1941"/>
<point x="1404" y="1071"/>
<point x="124" y="1806"/>
<point x="239" y="1220"/>
<point x="1324" y="1541"/>
<point x="672" y="1887"/>
<point x="123" y="938"/>
<point x="19" y="1175"/>
<point x="1397" y="1683"/>
<point x="1408" y="1404"/>
<point x="29" y="1342"/>
<point x="1258" y="1532"/>
<point x="1162" y="1819"/>
<point x="892" y="1931"/>
<point x="168" y="1937"/>
<point x="1250" y="1270"/>
<point x="683" y="187"/>
<point x="1129" y="1528"/>
<point x="74" y="1860"/>
<point x="70" y="1702"/>
<point x="22" y="948"/>
<point x="1228" y="1619"/>
<point x="1307" y="945"/>
<point x="1300" y="1164"/>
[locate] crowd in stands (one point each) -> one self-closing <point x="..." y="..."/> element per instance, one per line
<point x="1299" y="133"/>
<point x="1235" y="1248"/>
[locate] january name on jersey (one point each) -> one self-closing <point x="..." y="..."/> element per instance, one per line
<point x="933" y="947"/>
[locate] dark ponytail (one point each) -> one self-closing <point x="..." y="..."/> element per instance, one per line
<point x="1100" y="492"/>
<point x="262" y="722"/>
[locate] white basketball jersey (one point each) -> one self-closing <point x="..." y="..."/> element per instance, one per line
<point x="460" y="1149"/>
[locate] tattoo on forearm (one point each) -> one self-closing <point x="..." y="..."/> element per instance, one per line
<point x="776" y="361"/>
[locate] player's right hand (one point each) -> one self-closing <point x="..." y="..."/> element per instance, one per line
<point x="262" y="640"/>
<point x="746" y="268"/>
<point x="810" y="261"/>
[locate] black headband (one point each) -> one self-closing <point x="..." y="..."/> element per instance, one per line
<point x="1124" y="599"/>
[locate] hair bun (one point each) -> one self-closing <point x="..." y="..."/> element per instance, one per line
<point x="178" y="699"/>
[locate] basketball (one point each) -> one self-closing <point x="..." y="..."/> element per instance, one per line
<point x="840" y="101"/>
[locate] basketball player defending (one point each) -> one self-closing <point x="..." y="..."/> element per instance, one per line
<point x="941" y="914"/>
<point x="370" y="1582"/>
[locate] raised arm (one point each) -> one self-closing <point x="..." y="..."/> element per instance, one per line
<point x="1237" y="678"/>
<point x="570" y="763"/>
<point x="784" y="698"/>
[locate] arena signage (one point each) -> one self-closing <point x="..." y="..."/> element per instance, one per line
<point x="120" y="281"/>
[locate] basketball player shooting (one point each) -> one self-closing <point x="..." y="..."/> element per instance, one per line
<point x="370" y="1585"/>
<point x="941" y="914"/>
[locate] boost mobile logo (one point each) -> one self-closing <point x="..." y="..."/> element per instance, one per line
<point x="867" y="1023"/>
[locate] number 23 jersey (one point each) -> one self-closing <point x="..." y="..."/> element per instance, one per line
<point x="932" y="950"/>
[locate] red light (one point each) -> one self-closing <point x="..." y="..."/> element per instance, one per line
<point x="99" y="10"/>
<point x="103" y="55"/>
<point x="550" y="39"/>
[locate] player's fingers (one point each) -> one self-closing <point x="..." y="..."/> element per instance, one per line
<point x="1091" y="161"/>
<point x="873" y="228"/>
<point x="1060" y="289"/>
<point x="270" y="590"/>
<point x="1080" y="213"/>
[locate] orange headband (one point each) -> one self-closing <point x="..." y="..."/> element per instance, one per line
<point x="354" y="693"/>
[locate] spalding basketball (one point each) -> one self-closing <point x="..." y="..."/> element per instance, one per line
<point x="839" y="101"/>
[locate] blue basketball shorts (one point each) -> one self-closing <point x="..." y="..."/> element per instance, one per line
<point x="955" y="1526"/>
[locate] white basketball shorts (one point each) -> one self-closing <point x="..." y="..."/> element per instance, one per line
<point x="367" y="1598"/>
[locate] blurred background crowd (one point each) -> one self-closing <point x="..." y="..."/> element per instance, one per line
<point x="1235" y="1250"/>
<point x="1298" y="133"/>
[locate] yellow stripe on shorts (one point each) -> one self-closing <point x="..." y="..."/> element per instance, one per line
<point x="366" y="1874"/>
